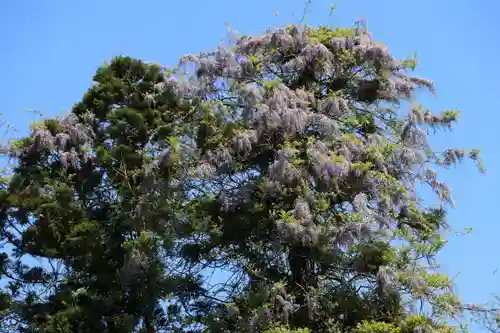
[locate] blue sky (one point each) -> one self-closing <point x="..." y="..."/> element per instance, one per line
<point x="52" y="48"/>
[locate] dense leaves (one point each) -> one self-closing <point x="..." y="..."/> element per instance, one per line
<point x="270" y="185"/>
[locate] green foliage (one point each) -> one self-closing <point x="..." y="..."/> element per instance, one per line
<point x="287" y="330"/>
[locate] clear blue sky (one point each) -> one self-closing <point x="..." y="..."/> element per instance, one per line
<point x="51" y="48"/>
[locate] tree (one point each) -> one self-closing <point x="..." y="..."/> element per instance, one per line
<point x="282" y="163"/>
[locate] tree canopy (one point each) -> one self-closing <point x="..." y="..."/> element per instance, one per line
<point x="269" y="186"/>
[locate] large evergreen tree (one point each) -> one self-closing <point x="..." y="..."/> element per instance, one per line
<point x="269" y="185"/>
